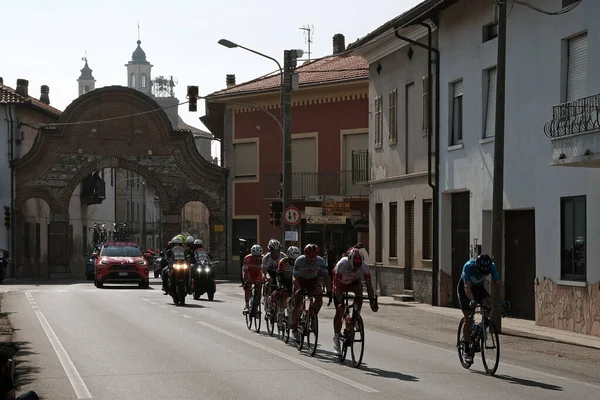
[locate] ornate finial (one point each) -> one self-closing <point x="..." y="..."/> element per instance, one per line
<point x="138" y="31"/>
<point x="85" y="58"/>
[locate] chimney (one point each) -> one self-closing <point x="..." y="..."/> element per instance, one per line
<point x="230" y="80"/>
<point x="22" y="85"/>
<point x="339" y="43"/>
<point x="1" y="80"/>
<point x="44" y="98"/>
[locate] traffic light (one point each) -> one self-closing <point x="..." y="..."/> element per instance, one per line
<point x="276" y="213"/>
<point x="7" y="217"/>
<point x="192" y="94"/>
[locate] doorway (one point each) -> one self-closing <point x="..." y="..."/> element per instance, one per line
<point x="409" y="243"/>
<point x="460" y="237"/>
<point x="519" y="256"/>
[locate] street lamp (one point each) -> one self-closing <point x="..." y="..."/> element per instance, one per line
<point x="289" y="59"/>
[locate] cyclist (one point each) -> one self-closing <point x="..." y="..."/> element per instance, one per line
<point x="252" y="274"/>
<point x="347" y="277"/>
<point x="308" y="268"/>
<point x="471" y="291"/>
<point x="285" y="273"/>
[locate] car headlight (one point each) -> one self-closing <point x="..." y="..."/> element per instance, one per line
<point x="142" y="263"/>
<point x="104" y="262"/>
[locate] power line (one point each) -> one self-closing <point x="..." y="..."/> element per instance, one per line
<point x="562" y="11"/>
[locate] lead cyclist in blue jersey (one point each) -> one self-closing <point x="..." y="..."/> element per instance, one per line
<point x="471" y="291"/>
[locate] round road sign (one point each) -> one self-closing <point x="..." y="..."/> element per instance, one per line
<point x="291" y="215"/>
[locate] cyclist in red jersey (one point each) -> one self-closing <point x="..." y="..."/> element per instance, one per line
<point x="252" y="273"/>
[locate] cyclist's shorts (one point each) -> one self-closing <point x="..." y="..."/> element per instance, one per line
<point x="340" y="288"/>
<point x="312" y="286"/>
<point x="479" y="294"/>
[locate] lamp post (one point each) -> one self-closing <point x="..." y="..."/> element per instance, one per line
<point x="289" y="60"/>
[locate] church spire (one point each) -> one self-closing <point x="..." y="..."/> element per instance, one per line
<point x="86" y="79"/>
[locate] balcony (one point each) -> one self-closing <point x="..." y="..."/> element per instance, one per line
<point x="350" y="184"/>
<point x="575" y="133"/>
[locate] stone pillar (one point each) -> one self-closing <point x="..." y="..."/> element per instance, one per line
<point x="58" y="243"/>
<point x="218" y="240"/>
<point x="171" y="226"/>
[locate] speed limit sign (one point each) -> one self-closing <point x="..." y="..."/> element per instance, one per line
<point x="291" y="215"/>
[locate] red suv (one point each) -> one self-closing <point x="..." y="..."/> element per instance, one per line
<point x="121" y="262"/>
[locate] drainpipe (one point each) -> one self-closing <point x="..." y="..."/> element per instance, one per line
<point x="432" y="173"/>
<point x="11" y="161"/>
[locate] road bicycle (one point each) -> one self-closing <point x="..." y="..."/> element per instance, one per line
<point x="283" y="317"/>
<point x="254" y="310"/>
<point x="353" y="335"/>
<point x="308" y="324"/>
<point x="484" y="339"/>
<point x="270" y="309"/>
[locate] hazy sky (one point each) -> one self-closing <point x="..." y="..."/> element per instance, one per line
<point x="44" y="41"/>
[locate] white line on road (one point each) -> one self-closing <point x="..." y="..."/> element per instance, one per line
<point x="79" y="386"/>
<point x="185" y="316"/>
<point x="164" y="307"/>
<point x="35" y="307"/>
<point x="292" y="359"/>
<point x="29" y="296"/>
<point x="174" y="311"/>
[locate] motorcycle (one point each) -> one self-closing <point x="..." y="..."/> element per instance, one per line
<point x="179" y="278"/>
<point x="203" y="278"/>
<point x="159" y="264"/>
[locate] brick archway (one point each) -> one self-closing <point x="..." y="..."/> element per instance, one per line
<point x="118" y="127"/>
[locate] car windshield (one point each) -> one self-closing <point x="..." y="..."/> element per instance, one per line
<point x="121" y="251"/>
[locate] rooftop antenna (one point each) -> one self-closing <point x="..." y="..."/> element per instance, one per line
<point x="308" y="35"/>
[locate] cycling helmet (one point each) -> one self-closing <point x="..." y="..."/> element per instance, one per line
<point x="198" y="242"/>
<point x="355" y="257"/>
<point x="177" y="241"/>
<point x="189" y="240"/>
<point x="274" y="245"/>
<point x="293" y="252"/>
<point x="311" y="250"/>
<point x="256" y="250"/>
<point x="483" y="263"/>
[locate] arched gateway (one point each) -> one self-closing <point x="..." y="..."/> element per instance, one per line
<point x="118" y="127"/>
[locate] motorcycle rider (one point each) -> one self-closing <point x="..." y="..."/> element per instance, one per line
<point x="175" y="242"/>
<point x="199" y="251"/>
<point x="189" y="247"/>
<point x="285" y="273"/>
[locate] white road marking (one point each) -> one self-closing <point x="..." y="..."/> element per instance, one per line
<point x="35" y="307"/>
<point x="174" y="311"/>
<point x="29" y="296"/>
<point x="165" y="307"/>
<point x="292" y="359"/>
<point x="185" y="316"/>
<point x="77" y="383"/>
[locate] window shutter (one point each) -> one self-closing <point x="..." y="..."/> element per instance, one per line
<point x="379" y="232"/>
<point x="458" y="89"/>
<point x="425" y="123"/>
<point x="577" y="68"/>
<point x="490" y="117"/>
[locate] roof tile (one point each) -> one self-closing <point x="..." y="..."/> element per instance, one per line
<point x="11" y="96"/>
<point x="325" y="70"/>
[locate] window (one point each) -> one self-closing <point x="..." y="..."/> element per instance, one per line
<point x="409" y="111"/>
<point x="427" y="230"/>
<point x="393" y="117"/>
<point x="245" y="160"/>
<point x="457" y="113"/>
<point x="120" y="251"/>
<point x="425" y="123"/>
<point x="393" y="230"/>
<point x="360" y="166"/>
<point x="128" y="212"/>
<point x="490" y="110"/>
<point x="132" y="80"/>
<point x="378" y="121"/>
<point x="85" y="89"/>
<point x="577" y="67"/>
<point x="573" y="238"/>
<point x="490" y="31"/>
<point x="379" y="232"/>
<point x="144" y="80"/>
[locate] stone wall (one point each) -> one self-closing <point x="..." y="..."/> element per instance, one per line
<point x="446" y="290"/>
<point x="390" y="280"/>
<point x="575" y="309"/>
<point x="422" y="285"/>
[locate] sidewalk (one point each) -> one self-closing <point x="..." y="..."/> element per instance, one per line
<point x="508" y="324"/>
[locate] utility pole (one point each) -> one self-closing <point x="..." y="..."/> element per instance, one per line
<point x="498" y="188"/>
<point x="143" y="227"/>
<point x="286" y="100"/>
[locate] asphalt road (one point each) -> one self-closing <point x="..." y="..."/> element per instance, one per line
<point x="79" y="342"/>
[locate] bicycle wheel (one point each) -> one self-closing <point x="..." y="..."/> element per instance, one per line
<point x="301" y="331"/>
<point x="490" y="348"/>
<point x="357" y="343"/>
<point x="460" y="345"/>
<point x="269" y="317"/>
<point x="312" y="327"/>
<point x="257" y="318"/>
<point x="249" y="318"/>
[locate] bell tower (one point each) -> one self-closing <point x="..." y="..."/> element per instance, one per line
<point x="86" y="80"/>
<point x="139" y="70"/>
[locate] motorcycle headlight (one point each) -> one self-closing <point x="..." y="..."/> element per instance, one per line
<point x="207" y="269"/>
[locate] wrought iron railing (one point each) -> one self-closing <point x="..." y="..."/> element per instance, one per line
<point x="305" y="184"/>
<point x="579" y="116"/>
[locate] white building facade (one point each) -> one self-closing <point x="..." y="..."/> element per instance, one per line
<point x="550" y="268"/>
